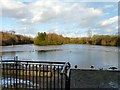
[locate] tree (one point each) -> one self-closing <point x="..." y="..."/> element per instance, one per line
<point x="41" y="39"/>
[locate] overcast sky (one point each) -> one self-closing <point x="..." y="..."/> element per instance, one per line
<point x="70" y="18"/>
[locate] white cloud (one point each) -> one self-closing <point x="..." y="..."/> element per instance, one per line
<point x="24" y="20"/>
<point x="109" y="30"/>
<point x="108" y="26"/>
<point x="110" y="21"/>
<point x="108" y="6"/>
<point x="44" y="10"/>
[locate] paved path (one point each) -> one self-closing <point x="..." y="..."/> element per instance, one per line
<point x="94" y="79"/>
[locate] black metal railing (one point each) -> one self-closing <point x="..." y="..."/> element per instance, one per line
<point x="19" y="74"/>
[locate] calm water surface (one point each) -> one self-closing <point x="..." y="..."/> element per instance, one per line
<point x="82" y="55"/>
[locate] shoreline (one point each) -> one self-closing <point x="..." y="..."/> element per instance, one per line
<point x="58" y="45"/>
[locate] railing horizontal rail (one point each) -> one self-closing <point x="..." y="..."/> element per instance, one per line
<point x="33" y="61"/>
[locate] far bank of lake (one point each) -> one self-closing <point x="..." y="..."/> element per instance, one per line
<point x="77" y="54"/>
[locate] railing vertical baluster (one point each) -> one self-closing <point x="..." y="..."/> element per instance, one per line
<point x="51" y="77"/>
<point x="47" y="77"/>
<point x="33" y="77"/>
<point x="7" y="73"/>
<point x="54" y="76"/>
<point x="19" y="74"/>
<point x="36" y="75"/>
<point x="43" y="77"/>
<point x="16" y="69"/>
<point x="29" y="74"/>
<point x="58" y="77"/>
<point x="13" y="79"/>
<point x="40" y="76"/>
<point x="13" y="76"/>
<point x="26" y="74"/>
<point x="3" y="76"/>
<point x="10" y="71"/>
<point x="61" y="81"/>
<point x="23" y="75"/>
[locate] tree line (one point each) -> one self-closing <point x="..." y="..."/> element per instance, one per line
<point x="13" y="39"/>
<point x="44" y="38"/>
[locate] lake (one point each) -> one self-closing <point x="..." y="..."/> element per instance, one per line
<point x="77" y="54"/>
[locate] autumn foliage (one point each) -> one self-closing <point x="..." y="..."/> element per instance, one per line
<point x="13" y="39"/>
<point x="44" y="38"/>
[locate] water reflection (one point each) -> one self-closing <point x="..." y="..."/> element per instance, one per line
<point x="81" y="55"/>
<point x="10" y="82"/>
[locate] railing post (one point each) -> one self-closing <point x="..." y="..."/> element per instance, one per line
<point x="67" y="82"/>
<point x="67" y="78"/>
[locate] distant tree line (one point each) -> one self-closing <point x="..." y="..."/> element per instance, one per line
<point x="13" y="39"/>
<point x="44" y="38"/>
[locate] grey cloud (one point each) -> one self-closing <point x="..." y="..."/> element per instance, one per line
<point x="13" y="9"/>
